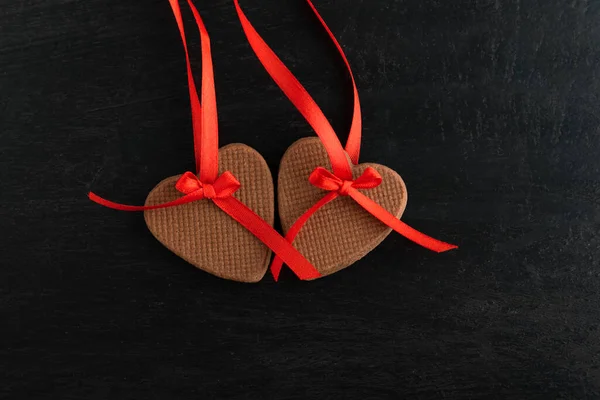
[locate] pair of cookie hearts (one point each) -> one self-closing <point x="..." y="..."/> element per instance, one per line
<point x="336" y="236"/>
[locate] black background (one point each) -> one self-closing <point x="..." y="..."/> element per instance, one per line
<point x="489" y="111"/>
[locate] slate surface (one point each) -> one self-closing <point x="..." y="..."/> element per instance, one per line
<point x="488" y="110"/>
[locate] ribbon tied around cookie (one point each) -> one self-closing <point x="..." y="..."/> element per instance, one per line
<point x="221" y="194"/>
<point x="336" y="186"/>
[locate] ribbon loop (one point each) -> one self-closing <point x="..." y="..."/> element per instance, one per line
<point x="324" y="179"/>
<point x="225" y="185"/>
<point x="188" y="183"/>
<point x="369" y="179"/>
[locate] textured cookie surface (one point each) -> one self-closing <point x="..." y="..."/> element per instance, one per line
<point x="204" y="235"/>
<point x="341" y="232"/>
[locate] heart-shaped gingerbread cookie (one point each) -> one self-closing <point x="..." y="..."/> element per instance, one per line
<point x="341" y="232"/>
<point x="204" y="235"/>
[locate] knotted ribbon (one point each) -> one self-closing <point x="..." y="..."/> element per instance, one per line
<point x="207" y="184"/>
<point x="340" y="181"/>
<point x="325" y="180"/>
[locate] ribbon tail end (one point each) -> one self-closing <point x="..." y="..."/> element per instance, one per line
<point x="95" y="198"/>
<point x="310" y="277"/>
<point x="446" y="247"/>
<point x="275" y="273"/>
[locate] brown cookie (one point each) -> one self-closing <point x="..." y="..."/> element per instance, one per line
<point x="341" y="232"/>
<point x="205" y="236"/>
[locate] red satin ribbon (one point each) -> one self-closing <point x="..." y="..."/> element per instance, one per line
<point x="205" y="125"/>
<point x="209" y="184"/>
<point x="342" y="172"/>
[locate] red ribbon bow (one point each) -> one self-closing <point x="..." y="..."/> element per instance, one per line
<point x="325" y="180"/>
<point x="225" y="185"/>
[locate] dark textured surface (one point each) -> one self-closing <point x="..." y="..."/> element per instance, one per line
<point x="488" y="110"/>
